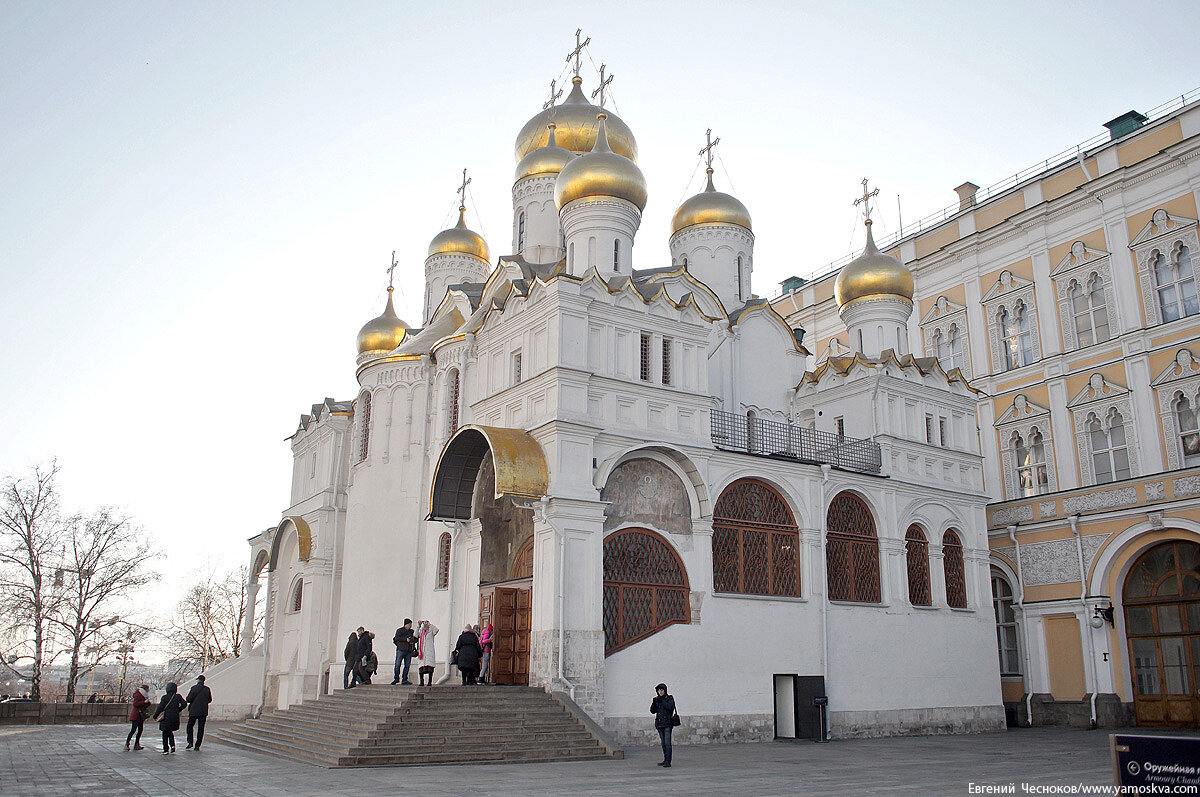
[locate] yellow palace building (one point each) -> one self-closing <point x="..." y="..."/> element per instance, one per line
<point x="1067" y="296"/>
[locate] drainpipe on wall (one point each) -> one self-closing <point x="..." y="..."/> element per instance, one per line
<point x="561" y="536"/>
<point x="825" y="470"/>
<point x="1085" y="626"/>
<point x="454" y="538"/>
<point x="1028" y="678"/>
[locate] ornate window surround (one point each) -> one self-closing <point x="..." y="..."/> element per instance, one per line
<point x="1181" y="376"/>
<point x="1161" y="234"/>
<point x="1023" y="417"/>
<point x="943" y="315"/>
<point x="1004" y="295"/>
<point x="1100" y="396"/>
<point x="363" y="412"/>
<point x="1078" y="265"/>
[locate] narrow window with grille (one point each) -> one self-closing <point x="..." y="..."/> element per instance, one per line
<point x="839" y="425"/>
<point x="452" y="404"/>
<point x="955" y="570"/>
<point x="943" y="434"/>
<point x="645" y="358"/>
<point x="929" y="429"/>
<point x="516" y="368"/>
<point x="443" y="562"/>
<point x="666" y="361"/>
<point x="298" y="596"/>
<point x="364" y="429"/>
<point x="617" y="254"/>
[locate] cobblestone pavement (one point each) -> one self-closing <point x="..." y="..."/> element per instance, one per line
<point x="75" y="759"/>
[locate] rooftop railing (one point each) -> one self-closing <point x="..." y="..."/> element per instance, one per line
<point x="765" y="438"/>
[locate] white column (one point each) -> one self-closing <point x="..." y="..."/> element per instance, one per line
<point x="1066" y="462"/>
<point x="1151" y="457"/>
<point x="1047" y="307"/>
<point x="248" y="626"/>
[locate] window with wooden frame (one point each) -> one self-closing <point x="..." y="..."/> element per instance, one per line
<point x="916" y="549"/>
<point x="443" y="562"/>
<point x="851" y="551"/>
<point x="645" y="588"/>
<point x="297" y="596"/>
<point x="756" y="543"/>
<point x="364" y="426"/>
<point x="452" y="395"/>
<point x="955" y="569"/>
<point x="1006" y="624"/>
<point x="644" y="362"/>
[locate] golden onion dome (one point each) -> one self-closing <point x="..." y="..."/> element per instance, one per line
<point x="601" y="172"/>
<point x="576" y="122"/>
<point x="549" y="159"/>
<point x="459" y="240"/>
<point x="710" y="206"/>
<point x="381" y="335"/>
<point x="872" y="274"/>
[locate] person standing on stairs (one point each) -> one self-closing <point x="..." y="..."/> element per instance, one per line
<point x="350" y="676"/>
<point x="426" y="651"/>
<point x="665" y="720"/>
<point x="486" y="641"/>
<point x="368" y="662"/>
<point x="199" y="696"/>
<point x="404" y="641"/>
<point x="169" y="707"/>
<point x="470" y="652"/>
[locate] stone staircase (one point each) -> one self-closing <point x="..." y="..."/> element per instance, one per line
<point x="392" y="726"/>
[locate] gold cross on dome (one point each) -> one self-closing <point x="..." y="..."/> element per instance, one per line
<point x="603" y="82"/>
<point x="865" y="199"/>
<point x="462" y="189"/>
<point x="553" y="96"/>
<point x="579" y="45"/>
<point x="707" y="150"/>
<point x="391" y="268"/>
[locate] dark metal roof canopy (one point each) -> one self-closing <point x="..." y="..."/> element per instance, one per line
<point x="454" y="482"/>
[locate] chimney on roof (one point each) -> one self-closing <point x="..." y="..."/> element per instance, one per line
<point x="792" y="284"/>
<point x="966" y="195"/>
<point x="1125" y="124"/>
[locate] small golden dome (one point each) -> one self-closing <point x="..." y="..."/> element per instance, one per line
<point x="600" y="172"/>
<point x="872" y="274"/>
<point x="710" y="206"/>
<point x="576" y="121"/>
<point x="458" y="239"/>
<point x="549" y="159"/>
<point x="381" y="335"/>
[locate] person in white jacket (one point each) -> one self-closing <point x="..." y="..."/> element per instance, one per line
<point x="426" y="650"/>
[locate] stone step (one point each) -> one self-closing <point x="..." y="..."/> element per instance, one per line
<point x="488" y="758"/>
<point x="296" y="749"/>
<point x="443" y="738"/>
<point x="332" y="737"/>
<point x="468" y="745"/>
<point x="316" y="723"/>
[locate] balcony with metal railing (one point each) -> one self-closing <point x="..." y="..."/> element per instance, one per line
<point x="765" y="438"/>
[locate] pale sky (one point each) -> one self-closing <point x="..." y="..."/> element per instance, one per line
<point x="198" y="201"/>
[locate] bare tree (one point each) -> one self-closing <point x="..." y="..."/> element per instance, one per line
<point x="206" y="628"/>
<point x="31" y="534"/>
<point x="106" y="561"/>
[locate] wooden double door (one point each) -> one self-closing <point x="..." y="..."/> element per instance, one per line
<point x="507" y="606"/>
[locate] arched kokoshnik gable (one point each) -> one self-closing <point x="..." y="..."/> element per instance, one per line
<point x="304" y="539"/>
<point x="517" y="458"/>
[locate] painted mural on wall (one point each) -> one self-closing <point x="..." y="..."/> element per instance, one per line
<point x="644" y="492"/>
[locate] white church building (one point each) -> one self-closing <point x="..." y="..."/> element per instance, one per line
<point x="640" y="474"/>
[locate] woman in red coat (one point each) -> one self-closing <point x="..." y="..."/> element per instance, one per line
<point x="137" y="715"/>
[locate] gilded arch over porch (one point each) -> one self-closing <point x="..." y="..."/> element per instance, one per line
<point x="303" y="533"/>
<point x="517" y="458"/>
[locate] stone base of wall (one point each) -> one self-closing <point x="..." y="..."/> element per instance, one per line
<point x="696" y="729"/>
<point x="916" y="721"/>
<point x="1111" y="712"/>
<point x="63" y="713"/>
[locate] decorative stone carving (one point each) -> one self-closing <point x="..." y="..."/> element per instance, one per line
<point x="1056" y="561"/>
<point x="646" y="492"/>
<point x="1012" y="514"/>
<point x="1180" y="380"/>
<point x="1163" y="234"/>
<point x="1048" y="508"/>
<point x="1186" y="486"/>
<point x="1077" y="267"/>
<point x="1156" y="519"/>
<point x="1009" y="292"/>
<point x="1156" y="491"/>
<point x="1099" y="398"/>
<point x="1121" y="496"/>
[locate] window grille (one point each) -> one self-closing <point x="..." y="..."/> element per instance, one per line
<point x="516" y="362"/>
<point x="364" y="429"/>
<point x="443" y="562"/>
<point x="739" y="278"/>
<point x="839" y="426"/>
<point x="1176" y="284"/>
<point x="616" y="254"/>
<point x="452" y="404"/>
<point x="1110" y="456"/>
<point x="1006" y="624"/>
<point x="1031" y="464"/>
<point x="756" y="542"/>
<point x="929" y="429"/>
<point x="852" y="551"/>
<point x="954" y="569"/>
<point x="1189" y="430"/>
<point x="645" y="358"/>
<point x="1088" y="308"/>
<point x="521" y="232"/>
<point x="917" y="553"/>
<point x="666" y="361"/>
<point x="645" y="588"/>
<point x="298" y="596"/>
<point x="943" y="436"/>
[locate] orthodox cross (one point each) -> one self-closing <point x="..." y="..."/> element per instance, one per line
<point x="603" y="82"/>
<point x="553" y="96"/>
<point x="865" y="199"/>
<point x="707" y="149"/>
<point x="462" y="189"/>
<point x="391" y="268"/>
<point x="578" y="50"/>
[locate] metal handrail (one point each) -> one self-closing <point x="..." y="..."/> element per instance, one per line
<point x="766" y="438"/>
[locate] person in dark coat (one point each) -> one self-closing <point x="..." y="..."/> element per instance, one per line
<point x="405" y="641"/>
<point x="367" y="662"/>
<point x="663" y="709"/>
<point x="137" y="715"/>
<point x="198" y="699"/>
<point x="349" y="677"/>
<point x="470" y="653"/>
<point x="168" y="708"/>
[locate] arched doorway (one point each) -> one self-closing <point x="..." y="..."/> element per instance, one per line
<point x="1161" y="599"/>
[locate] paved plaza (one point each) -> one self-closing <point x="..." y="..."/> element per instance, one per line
<point x="78" y="759"/>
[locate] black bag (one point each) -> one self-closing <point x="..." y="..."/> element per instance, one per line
<point x="454" y="657"/>
<point x="675" y="720"/>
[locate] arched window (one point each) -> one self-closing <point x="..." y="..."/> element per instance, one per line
<point x="954" y="569"/>
<point x="645" y="588"/>
<point x="616" y="254"/>
<point x="443" y="562"/>
<point x="939" y="348"/>
<point x="949" y="350"/>
<point x="364" y="427"/>
<point x="851" y="551"/>
<point x="1018" y="338"/>
<point x="917" y="552"/>
<point x="591" y="255"/>
<point x="739" y="277"/>
<point x="1176" y="284"/>
<point x="1031" y="464"/>
<point x="452" y="395"/>
<point x="297" y="596"/>
<point x="521" y="232"/>
<point x="685" y="261"/>
<point x="1110" y="456"/>
<point x="571" y="259"/>
<point x="1088" y="308"/>
<point x="522" y="566"/>
<point x="1006" y="624"/>
<point x="756" y="544"/>
<point x="1189" y="430"/>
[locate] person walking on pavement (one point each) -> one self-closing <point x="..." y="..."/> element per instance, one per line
<point x="663" y="709"/>
<point x="137" y="715"/>
<point x="349" y="677"/>
<point x="198" y="699"/>
<point x="168" y="708"/>
<point x="404" y="640"/>
<point x="426" y="651"/>
<point x="470" y="652"/>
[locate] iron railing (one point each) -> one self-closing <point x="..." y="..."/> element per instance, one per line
<point x="766" y="438"/>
